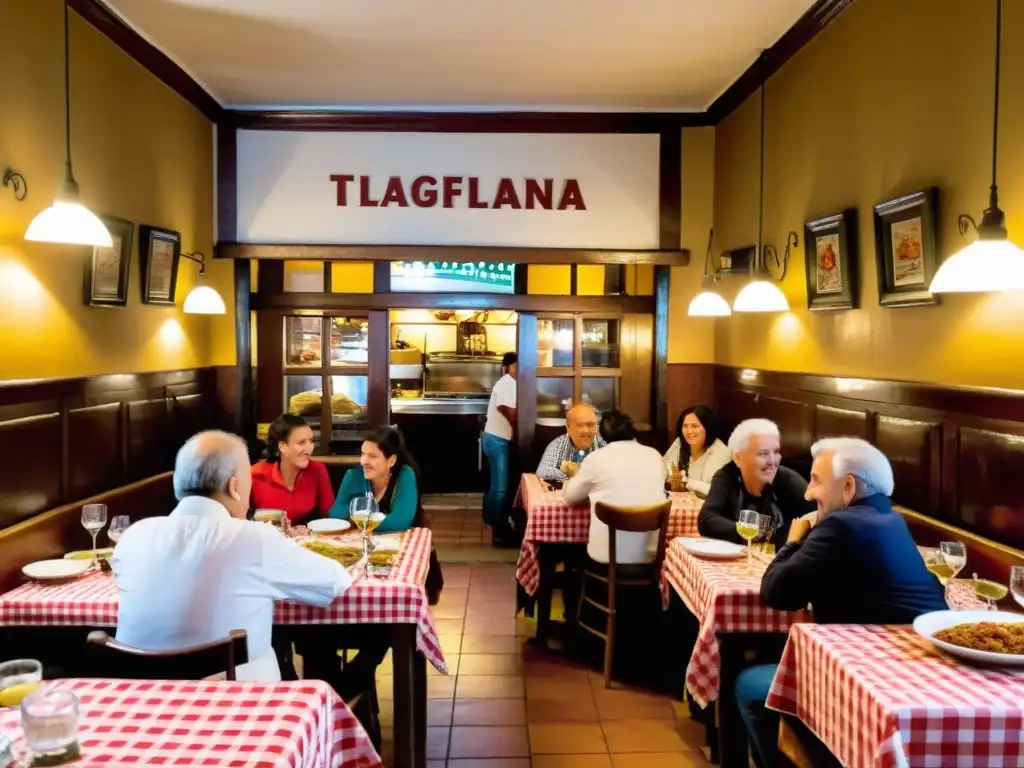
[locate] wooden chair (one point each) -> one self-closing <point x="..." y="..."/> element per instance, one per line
<point x="791" y="748"/>
<point x="630" y="520"/>
<point x="109" y="658"/>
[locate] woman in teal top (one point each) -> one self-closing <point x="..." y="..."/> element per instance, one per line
<point x="388" y="472"/>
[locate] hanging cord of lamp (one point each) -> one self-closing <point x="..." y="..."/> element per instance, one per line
<point x="762" y="294"/>
<point x="992" y="262"/>
<point x="709" y="303"/>
<point x="202" y="300"/>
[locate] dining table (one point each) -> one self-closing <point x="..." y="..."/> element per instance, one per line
<point x="398" y="601"/>
<point x="300" y="724"/>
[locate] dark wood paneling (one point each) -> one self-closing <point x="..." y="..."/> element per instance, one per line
<point x="94" y="466"/>
<point x="989" y="473"/>
<point x="146" y="54"/>
<point x="688" y="384"/>
<point x="297" y="252"/>
<point x="833" y="422"/>
<point x="807" y="27"/>
<point x="914" y="450"/>
<point x="29" y="483"/>
<point x="616" y="305"/>
<point x="147" y="432"/>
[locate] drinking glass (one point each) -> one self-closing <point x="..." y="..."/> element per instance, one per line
<point x="94" y="517"/>
<point x="748" y="526"/>
<point x="989" y="591"/>
<point x="360" y="509"/>
<point x="1017" y="584"/>
<point x="27" y="672"/>
<point x="118" y="525"/>
<point x="50" y="722"/>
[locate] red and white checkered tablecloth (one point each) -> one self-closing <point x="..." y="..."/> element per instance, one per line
<point x="882" y="696"/>
<point x="725" y="597"/>
<point x="550" y="520"/>
<point x="159" y="722"/>
<point x="91" y="601"/>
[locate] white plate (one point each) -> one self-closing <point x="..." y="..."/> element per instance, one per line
<point x="328" y="526"/>
<point x="712" y="549"/>
<point x="46" y="570"/>
<point x="930" y="623"/>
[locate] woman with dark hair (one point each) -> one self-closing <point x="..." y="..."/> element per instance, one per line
<point x="388" y="472"/>
<point x="289" y="479"/>
<point x="698" y="451"/>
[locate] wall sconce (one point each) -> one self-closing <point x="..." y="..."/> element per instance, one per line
<point x="762" y="294"/>
<point x="709" y="302"/>
<point x="202" y="300"/>
<point x="17" y="182"/>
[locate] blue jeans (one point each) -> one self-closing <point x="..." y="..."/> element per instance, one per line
<point x="496" y="450"/>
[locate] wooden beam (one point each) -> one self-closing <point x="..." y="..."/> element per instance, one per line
<point x="526" y="387"/>
<point x="659" y="384"/>
<point x="519" y="302"/>
<point x="378" y="385"/>
<point x="670" y="189"/>
<point x="245" y="424"/>
<point x="227" y="182"/>
<point x="295" y="252"/>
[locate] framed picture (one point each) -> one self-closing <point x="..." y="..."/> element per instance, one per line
<point x="907" y="248"/>
<point x="830" y="244"/>
<point x="106" y="269"/>
<point x="160" y="252"/>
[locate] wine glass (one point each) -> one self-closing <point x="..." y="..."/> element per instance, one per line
<point x="360" y="509"/>
<point x="94" y="517"/>
<point x="952" y="554"/>
<point x="748" y="527"/>
<point x="989" y="591"/>
<point x="1017" y="584"/>
<point x="118" y="525"/>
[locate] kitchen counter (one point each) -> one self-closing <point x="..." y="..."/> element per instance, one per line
<point x="439" y="406"/>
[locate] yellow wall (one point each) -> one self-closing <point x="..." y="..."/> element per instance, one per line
<point x="141" y="153"/>
<point x="891" y="98"/>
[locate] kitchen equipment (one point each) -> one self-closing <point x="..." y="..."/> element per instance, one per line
<point x="452" y="374"/>
<point x="471" y="337"/>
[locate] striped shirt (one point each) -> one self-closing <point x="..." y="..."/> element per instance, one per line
<point x="561" y="449"/>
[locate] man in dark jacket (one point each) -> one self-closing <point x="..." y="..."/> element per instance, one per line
<point x="857" y="565"/>
<point x="754" y="480"/>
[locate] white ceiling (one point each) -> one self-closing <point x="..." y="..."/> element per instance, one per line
<point x="477" y="54"/>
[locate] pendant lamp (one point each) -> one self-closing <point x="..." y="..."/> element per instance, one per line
<point x="202" y="300"/>
<point x="992" y="262"/>
<point x="709" y="303"/>
<point x="67" y="220"/>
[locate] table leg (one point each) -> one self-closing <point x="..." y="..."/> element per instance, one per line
<point x="410" y="695"/>
<point x="733" y="746"/>
<point x="547" y="558"/>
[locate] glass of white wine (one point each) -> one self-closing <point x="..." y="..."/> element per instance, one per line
<point x="118" y="525"/>
<point x="952" y="560"/>
<point x="94" y="517"/>
<point x="361" y="509"/>
<point x="748" y="527"/>
<point x="989" y="591"/>
<point x="1017" y="584"/>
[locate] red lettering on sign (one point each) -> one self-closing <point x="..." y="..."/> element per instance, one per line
<point x="536" y="195"/>
<point x="365" y="201"/>
<point x="452" y="189"/>
<point x="572" y="196"/>
<point x="424" y="198"/>
<point x="506" y="195"/>
<point x="394" y="194"/>
<point x="342" y="180"/>
<point x="474" y="194"/>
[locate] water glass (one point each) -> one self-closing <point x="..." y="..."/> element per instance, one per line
<point x="19" y="672"/>
<point x="1017" y="584"/>
<point x="118" y="525"/>
<point x="94" y="517"/>
<point x="50" y="722"/>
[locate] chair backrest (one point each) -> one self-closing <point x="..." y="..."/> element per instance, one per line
<point x="109" y="658"/>
<point x="635" y="520"/>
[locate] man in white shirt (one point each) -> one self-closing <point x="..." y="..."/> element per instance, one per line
<point x="623" y="473"/>
<point x="203" y="570"/>
<point x="495" y="443"/>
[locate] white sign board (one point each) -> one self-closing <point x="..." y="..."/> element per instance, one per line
<point x="528" y="190"/>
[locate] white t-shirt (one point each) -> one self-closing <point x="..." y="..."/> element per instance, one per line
<point x="504" y="393"/>
<point x="624" y="474"/>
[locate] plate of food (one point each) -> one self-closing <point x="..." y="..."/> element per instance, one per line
<point x="328" y="526"/>
<point x="712" y="549"/>
<point x="86" y="554"/>
<point x="987" y="637"/>
<point x="56" y="570"/>
<point x="346" y="554"/>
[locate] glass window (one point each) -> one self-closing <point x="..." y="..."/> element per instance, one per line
<point x="349" y="341"/>
<point x="601" y="343"/>
<point x="555" y="343"/>
<point x="348" y="410"/>
<point x="601" y="392"/>
<point x="554" y="397"/>
<point x="303" y="396"/>
<point x="303" y="341"/>
<point x="304" y="276"/>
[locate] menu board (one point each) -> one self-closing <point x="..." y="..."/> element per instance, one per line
<point x="452" y="277"/>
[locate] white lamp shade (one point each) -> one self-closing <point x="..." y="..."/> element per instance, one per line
<point x="760" y="296"/>
<point x="983" y="266"/>
<point x="204" y="300"/>
<point x="71" y="223"/>
<point x="708" y="304"/>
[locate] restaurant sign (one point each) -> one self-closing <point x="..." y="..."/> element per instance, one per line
<point x="529" y="190"/>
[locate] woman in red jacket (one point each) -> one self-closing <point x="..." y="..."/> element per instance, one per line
<point x="288" y="479"/>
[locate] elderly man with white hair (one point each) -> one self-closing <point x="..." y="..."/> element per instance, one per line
<point x="204" y="570"/>
<point x="755" y="479"/>
<point x="857" y="565"/>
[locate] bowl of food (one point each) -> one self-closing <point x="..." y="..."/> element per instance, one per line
<point x="328" y="527"/>
<point x="986" y="637"/>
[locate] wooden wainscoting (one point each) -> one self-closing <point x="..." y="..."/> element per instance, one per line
<point x="70" y="439"/>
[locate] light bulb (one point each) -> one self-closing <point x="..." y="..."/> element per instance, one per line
<point x="204" y="300"/>
<point x="708" y="304"/>
<point x="760" y="296"/>
<point x="982" y="266"/>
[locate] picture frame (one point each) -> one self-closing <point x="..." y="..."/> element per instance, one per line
<point x="831" y="263"/>
<point x="907" y="248"/>
<point x="160" y="253"/>
<point x="107" y="269"/>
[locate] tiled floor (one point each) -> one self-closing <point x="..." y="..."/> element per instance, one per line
<point x="508" y="704"/>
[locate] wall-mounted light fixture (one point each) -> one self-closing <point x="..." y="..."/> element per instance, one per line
<point x="992" y="262"/>
<point x="202" y="300"/>
<point x="709" y="302"/>
<point x="17" y="182"/>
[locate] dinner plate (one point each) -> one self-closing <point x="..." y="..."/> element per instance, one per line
<point x="48" y="570"/>
<point x="328" y="526"/>
<point x="928" y="624"/>
<point x="713" y="549"/>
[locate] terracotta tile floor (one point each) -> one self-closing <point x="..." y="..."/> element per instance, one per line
<point x="508" y="705"/>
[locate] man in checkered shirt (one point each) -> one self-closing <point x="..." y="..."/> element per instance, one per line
<point x="581" y="438"/>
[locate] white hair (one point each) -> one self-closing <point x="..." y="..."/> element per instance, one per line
<point x="868" y="466"/>
<point x="745" y="430"/>
<point x="206" y="462"/>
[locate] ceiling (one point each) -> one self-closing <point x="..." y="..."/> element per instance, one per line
<point x="672" y="55"/>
